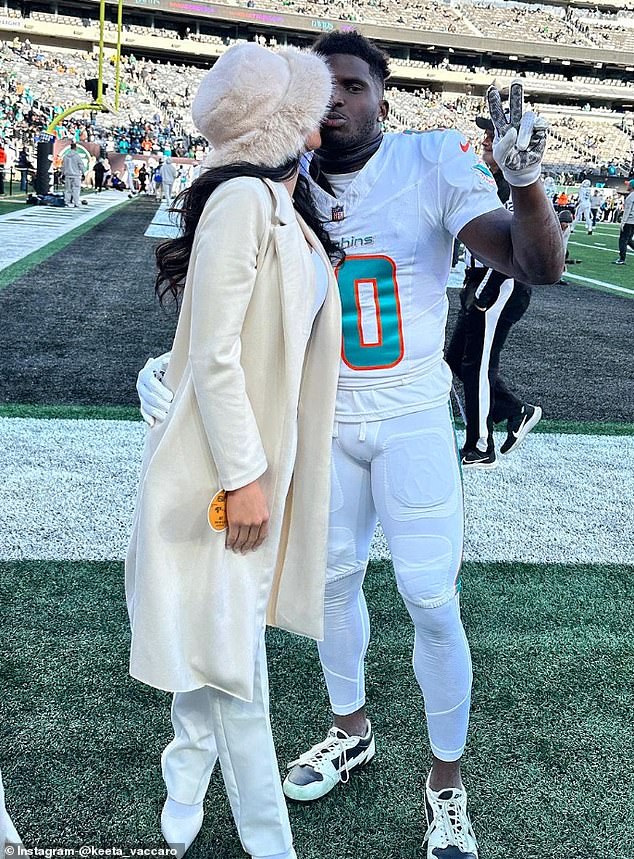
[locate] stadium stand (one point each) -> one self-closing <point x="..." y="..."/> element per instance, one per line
<point x="432" y="86"/>
<point x="523" y="22"/>
<point x="607" y="30"/>
<point x="428" y="15"/>
<point x="579" y="139"/>
<point x="39" y="84"/>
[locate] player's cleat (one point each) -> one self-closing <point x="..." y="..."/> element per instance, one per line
<point x="478" y="459"/>
<point x="519" y="426"/>
<point x="618" y="262"/>
<point x="321" y="768"/>
<point x="562" y="282"/>
<point x="449" y="832"/>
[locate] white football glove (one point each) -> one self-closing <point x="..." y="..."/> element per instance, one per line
<point x="155" y="397"/>
<point x="520" y="138"/>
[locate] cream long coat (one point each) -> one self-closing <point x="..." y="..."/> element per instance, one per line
<point x="242" y="355"/>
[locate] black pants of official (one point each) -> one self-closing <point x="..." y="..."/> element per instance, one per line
<point x="474" y="356"/>
<point x="625" y="239"/>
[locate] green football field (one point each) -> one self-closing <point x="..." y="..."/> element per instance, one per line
<point x="597" y="253"/>
<point x="547" y="598"/>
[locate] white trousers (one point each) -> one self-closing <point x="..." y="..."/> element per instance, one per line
<point x="584" y="213"/>
<point x="72" y="188"/>
<point x="8" y="834"/>
<point x="211" y="725"/>
<point x="403" y="471"/>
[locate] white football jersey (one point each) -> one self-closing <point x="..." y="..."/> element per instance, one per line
<point x="396" y="221"/>
<point x="585" y="193"/>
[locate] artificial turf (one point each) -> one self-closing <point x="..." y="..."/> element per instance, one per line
<point x="77" y="333"/>
<point x="548" y="765"/>
<point x="596" y="253"/>
<point x="7" y="206"/>
<point x="15" y="202"/>
<point x="132" y="413"/>
<point x="551" y="730"/>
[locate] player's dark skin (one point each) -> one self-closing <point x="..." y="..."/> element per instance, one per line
<point x="526" y="245"/>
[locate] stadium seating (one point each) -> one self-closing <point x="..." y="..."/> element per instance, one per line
<point x="608" y="30"/>
<point x="522" y="22"/>
<point x="39" y="84"/>
<point x="502" y="19"/>
<point x="155" y="98"/>
<point x="578" y="138"/>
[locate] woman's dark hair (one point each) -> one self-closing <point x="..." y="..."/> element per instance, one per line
<point x="172" y="256"/>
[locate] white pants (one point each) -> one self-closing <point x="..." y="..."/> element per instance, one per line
<point x="584" y="213"/>
<point x="8" y="835"/>
<point x="405" y="471"/>
<point x="72" y="188"/>
<point x="208" y="725"/>
<point x="167" y="190"/>
<point x="565" y="234"/>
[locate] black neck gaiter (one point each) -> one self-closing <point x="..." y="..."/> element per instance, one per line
<point x="343" y="159"/>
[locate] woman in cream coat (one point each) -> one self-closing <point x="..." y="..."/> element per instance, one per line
<point x="253" y="370"/>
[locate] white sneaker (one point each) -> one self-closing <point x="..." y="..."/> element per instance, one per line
<point x="448" y="825"/>
<point x="318" y="770"/>
<point x="180" y="832"/>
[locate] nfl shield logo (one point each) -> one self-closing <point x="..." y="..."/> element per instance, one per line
<point x="337" y="213"/>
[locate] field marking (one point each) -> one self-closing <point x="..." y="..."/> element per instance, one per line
<point x="69" y="488"/>
<point x="598" y="226"/>
<point x="164" y="224"/>
<point x="595" y="247"/>
<point x="35" y="227"/>
<point x="601" y="283"/>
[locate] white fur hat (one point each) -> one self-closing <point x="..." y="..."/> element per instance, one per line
<point x="258" y="106"/>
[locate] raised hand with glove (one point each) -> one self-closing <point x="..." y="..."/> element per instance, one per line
<point x="520" y="137"/>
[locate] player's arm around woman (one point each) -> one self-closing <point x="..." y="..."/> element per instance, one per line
<point x="253" y="368"/>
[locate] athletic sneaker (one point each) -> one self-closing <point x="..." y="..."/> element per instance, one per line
<point x="318" y="770"/>
<point x="519" y="426"/>
<point x="475" y="458"/>
<point x="618" y="262"/>
<point x="448" y="825"/>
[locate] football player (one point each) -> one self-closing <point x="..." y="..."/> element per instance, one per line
<point x="394" y="203"/>
<point x="584" y="206"/>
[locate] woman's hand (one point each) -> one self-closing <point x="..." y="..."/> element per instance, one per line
<point x="247" y="518"/>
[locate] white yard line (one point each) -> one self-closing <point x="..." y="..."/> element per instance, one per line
<point x="163" y="225"/>
<point x="600" y="283"/>
<point x="612" y="251"/>
<point x="68" y="492"/>
<point x="32" y="228"/>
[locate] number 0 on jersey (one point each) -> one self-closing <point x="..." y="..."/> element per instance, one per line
<point x="371" y="312"/>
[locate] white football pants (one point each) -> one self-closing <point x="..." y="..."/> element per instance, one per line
<point x="584" y="213"/>
<point x="404" y="471"/>
<point x="208" y="725"/>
